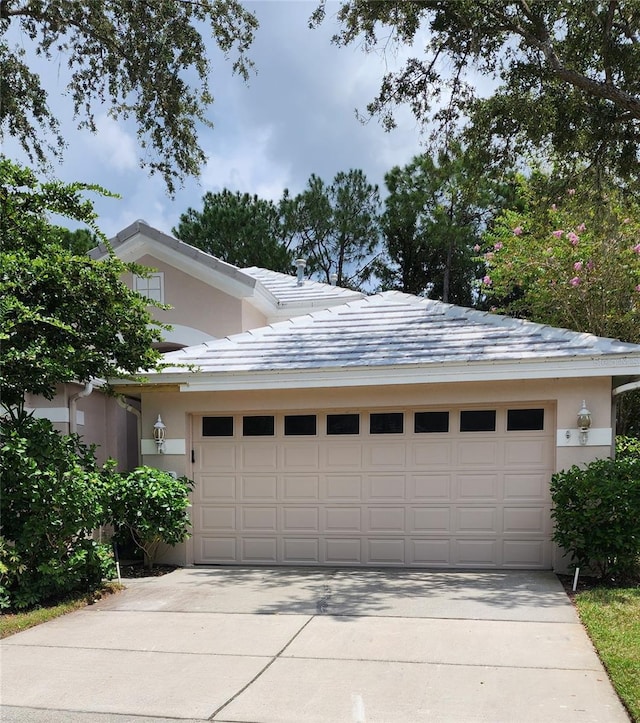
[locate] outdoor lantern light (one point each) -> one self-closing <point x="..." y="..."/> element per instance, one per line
<point x="584" y="422"/>
<point x="159" y="434"/>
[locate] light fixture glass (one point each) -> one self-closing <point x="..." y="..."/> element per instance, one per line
<point x="584" y="422"/>
<point x="159" y="433"/>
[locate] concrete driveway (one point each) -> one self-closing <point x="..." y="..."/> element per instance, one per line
<point x="321" y="645"/>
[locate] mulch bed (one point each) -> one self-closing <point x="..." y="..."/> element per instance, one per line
<point x="137" y="569"/>
<point x="588" y="583"/>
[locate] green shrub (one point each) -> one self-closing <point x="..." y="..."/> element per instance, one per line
<point x="597" y="515"/>
<point x="627" y="448"/>
<point x="153" y="506"/>
<point x="53" y="495"/>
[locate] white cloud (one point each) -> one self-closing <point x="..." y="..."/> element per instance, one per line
<point x="245" y="166"/>
<point x="114" y="146"/>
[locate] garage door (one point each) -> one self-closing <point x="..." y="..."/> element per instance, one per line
<point x="454" y="487"/>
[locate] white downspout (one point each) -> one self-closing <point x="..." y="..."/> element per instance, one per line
<point x="73" y="403"/>
<point x="138" y="415"/>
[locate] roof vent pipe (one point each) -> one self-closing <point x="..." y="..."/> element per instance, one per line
<point x="300" y="263"/>
<point x="333" y="278"/>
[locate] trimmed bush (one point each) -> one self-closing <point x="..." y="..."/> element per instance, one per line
<point x="597" y="515"/>
<point x="53" y="495"/>
<point x="153" y="506"/>
<point x="627" y="448"/>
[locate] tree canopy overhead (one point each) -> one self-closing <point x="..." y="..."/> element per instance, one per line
<point x="144" y="60"/>
<point x="567" y="74"/>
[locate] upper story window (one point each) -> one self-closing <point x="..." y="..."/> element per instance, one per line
<point x="151" y="286"/>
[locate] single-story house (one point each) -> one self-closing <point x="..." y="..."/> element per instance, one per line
<point x="326" y="427"/>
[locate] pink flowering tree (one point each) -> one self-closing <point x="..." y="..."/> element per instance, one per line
<point x="572" y="260"/>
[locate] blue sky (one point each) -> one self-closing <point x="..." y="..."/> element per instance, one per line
<point x="295" y="117"/>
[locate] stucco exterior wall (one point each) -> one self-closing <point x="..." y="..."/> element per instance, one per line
<point x="195" y="304"/>
<point x="99" y="420"/>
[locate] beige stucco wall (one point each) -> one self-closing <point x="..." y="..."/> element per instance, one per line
<point x="251" y="317"/>
<point x="567" y="395"/>
<point x="195" y="304"/>
<point x="100" y="421"/>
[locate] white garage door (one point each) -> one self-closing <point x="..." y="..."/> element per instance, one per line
<point x="455" y="487"/>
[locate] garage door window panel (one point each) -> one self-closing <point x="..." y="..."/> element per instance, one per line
<point x="386" y="423"/>
<point x="430" y="422"/>
<point x="339" y="424"/>
<point x="217" y="426"/>
<point x="478" y="420"/>
<point x="300" y="425"/>
<point x="525" y="420"/>
<point x="258" y="426"/>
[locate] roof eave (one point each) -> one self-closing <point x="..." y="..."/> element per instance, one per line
<point x="431" y="373"/>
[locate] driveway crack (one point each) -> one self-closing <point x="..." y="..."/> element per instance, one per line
<point x="262" y="671"/>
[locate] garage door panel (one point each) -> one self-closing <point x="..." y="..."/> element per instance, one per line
<point x="258" y="456"/>
<point x="301" y="550"/>
<point x="222" y="549"/>
<point x="299" y="519"/>
<point x="476" y="519"/>
<point x="477" y="487"/>
<point x="343" y="519"/>
<point x="258" y="519"/>
<point x="525" y="553"/>
<point x="386" y="488"/>
<point x="343" y="488"/>
<point x="526" y="453"/>
<point x="298" y="488"/>
<point x="526" y="519"/>
<point x="341" y="456"/>
<point x="432" y="454"/>
<point x="386" y="519"/>
<point x="524" y="485"/>
<point x="384" y="455"/>
<point x="216" y="519"/>
<point x="343" y="551"/>
<point x="217" y="456"/>
<point x="430" y="553"/>
<point x="476" y="553"/>
<point x="214" y="488"/>
<point x="436" y="487"/>
<point x="259" y="549"/>
<point x="430" y="519"/>
<point x="478" y="453"/>
<point x="257" y="489"/>
<point x="301" y="456"/>
<point x="384" y="551"/>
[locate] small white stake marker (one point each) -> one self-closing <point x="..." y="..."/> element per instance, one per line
<point x="575" y="579"/>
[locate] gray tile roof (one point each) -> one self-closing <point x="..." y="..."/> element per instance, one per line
<point x="393" y="329"/>
<point x="310" y="293"/>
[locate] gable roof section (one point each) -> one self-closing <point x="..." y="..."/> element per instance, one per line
<point x="140" y="239"/>
<point x="276" y="295"/>
<point x="396" y="338"/>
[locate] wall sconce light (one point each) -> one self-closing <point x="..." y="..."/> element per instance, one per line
<point x="159" y="433"/>
<point x="584" y="422"/>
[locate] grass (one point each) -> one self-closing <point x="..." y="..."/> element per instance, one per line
<point x="11" y="623"/>
<point x="612" y="619"/>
